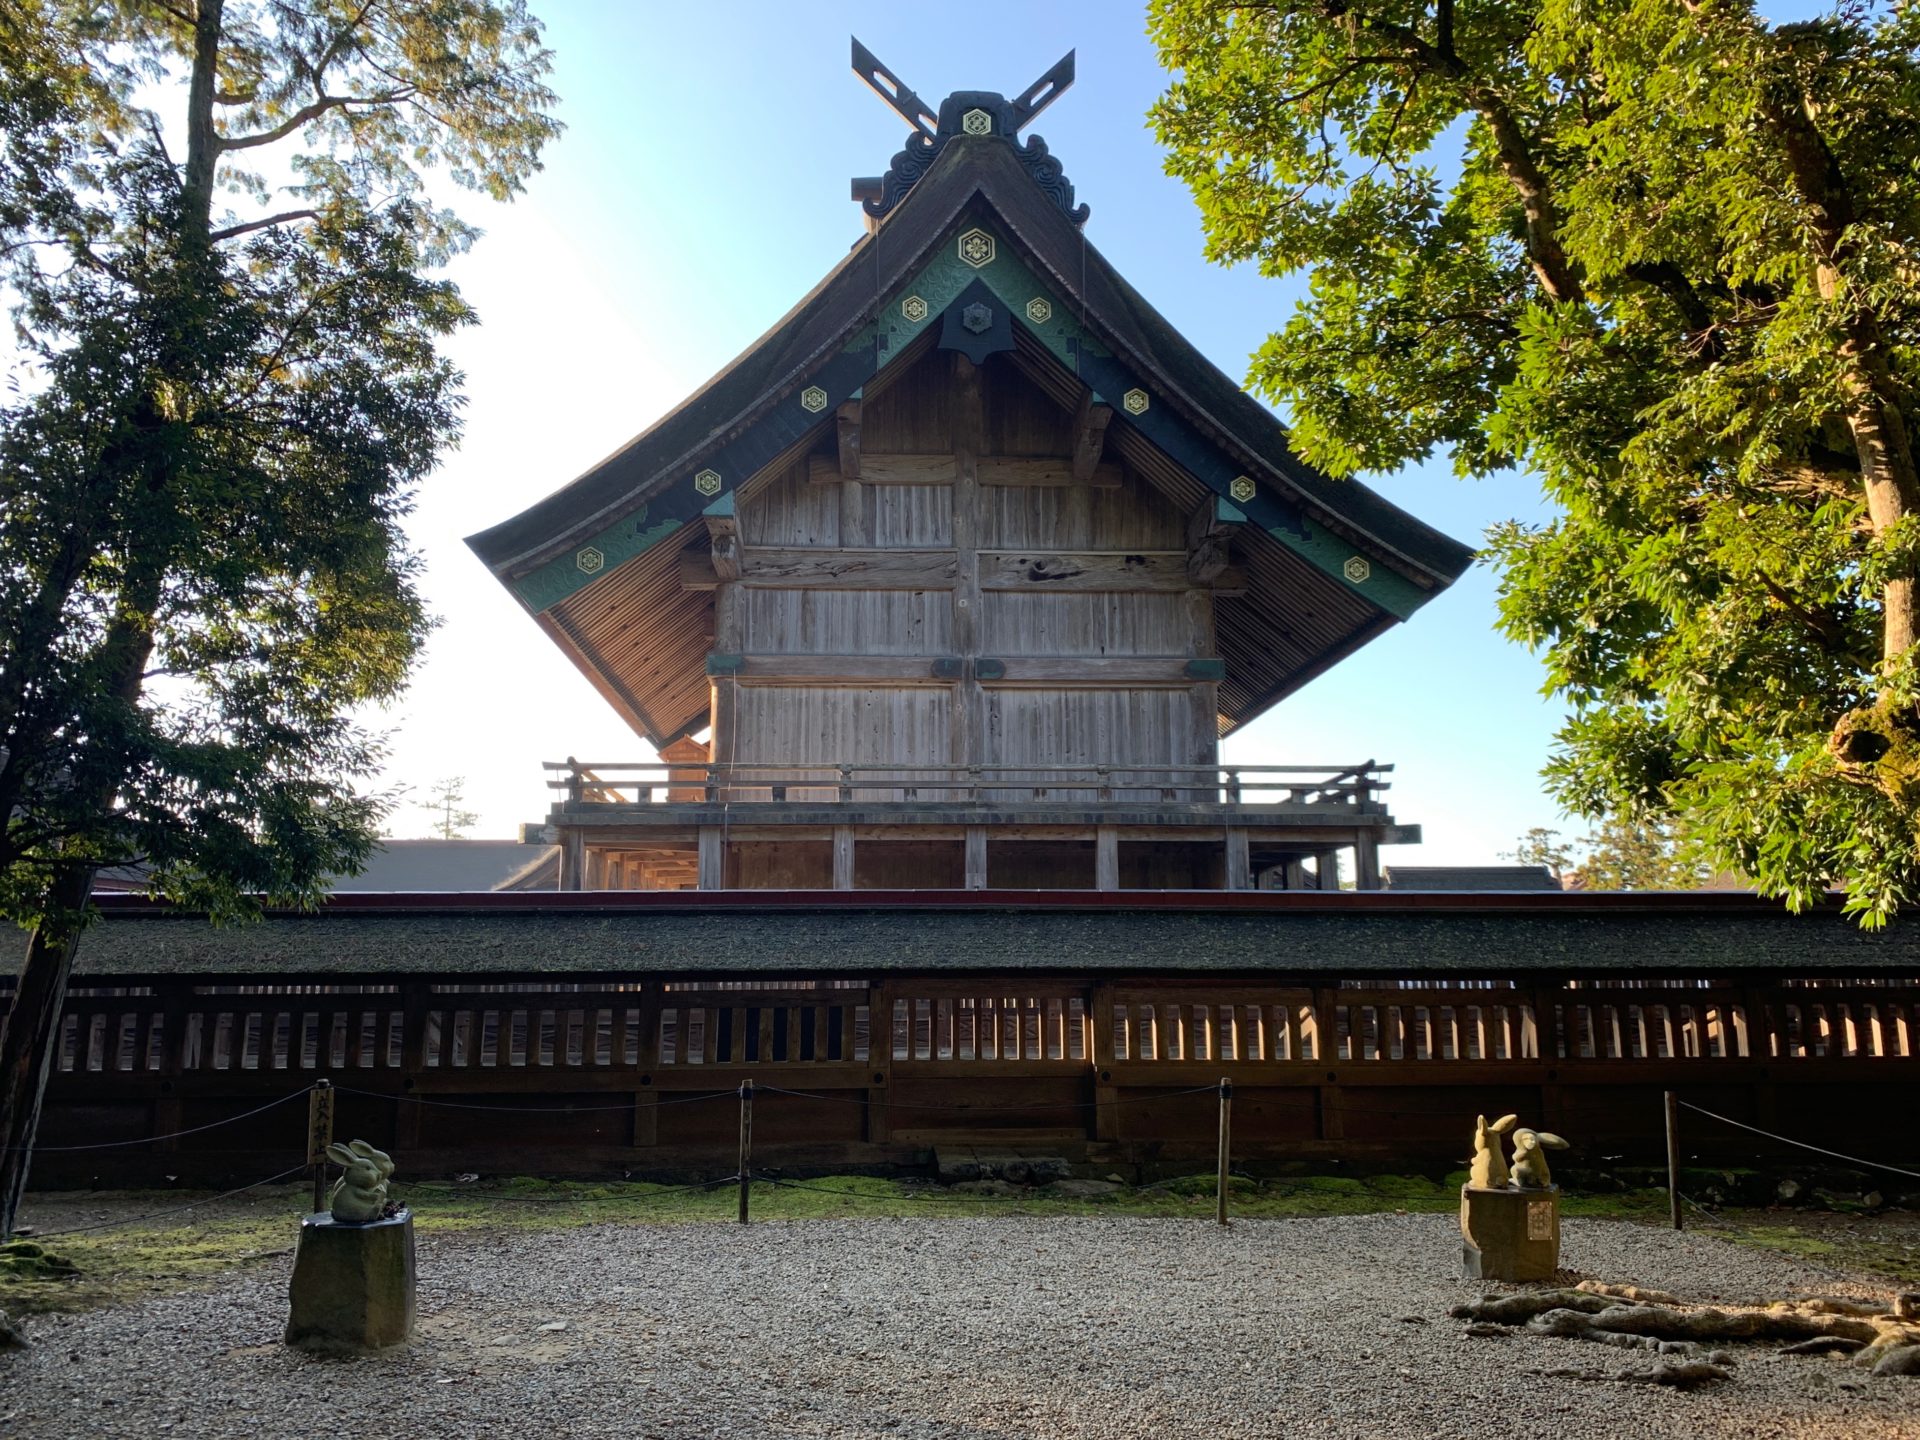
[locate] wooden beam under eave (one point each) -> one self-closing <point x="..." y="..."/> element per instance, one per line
<point x="1063" y="570"/>
<point x="1033" y="471"/>
<point x="847" y="425"/>
<point x="1089" y="436"/>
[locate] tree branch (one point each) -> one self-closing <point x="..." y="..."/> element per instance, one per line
<point x="310" y="112"/>
<point x="232" y="231"/>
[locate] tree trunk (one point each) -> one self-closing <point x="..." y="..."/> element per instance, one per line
<point x="1888" y="474"/>
<point x="29" y="1036"/>
<point x="31" y="1032"/>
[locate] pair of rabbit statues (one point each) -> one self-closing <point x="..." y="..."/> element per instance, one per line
<point x="1530" y="1148"/>
<point x="360" y="1195"/>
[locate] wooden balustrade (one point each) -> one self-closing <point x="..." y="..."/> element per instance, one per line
<point x="1334" y="1068"/>
<point x="1355" y="788"/>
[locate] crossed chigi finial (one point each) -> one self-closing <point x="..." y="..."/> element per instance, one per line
<point x="902" y="100"/>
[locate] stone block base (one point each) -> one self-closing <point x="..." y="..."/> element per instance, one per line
<point x="1510" y="1234"/>
<point x="353" y="1285"/>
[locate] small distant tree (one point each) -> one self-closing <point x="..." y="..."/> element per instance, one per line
<point x="1624" y="854"/>
<point x="1619" y="854"/>
<point x="443" y="800"/>
<point x="1541" y="846"/>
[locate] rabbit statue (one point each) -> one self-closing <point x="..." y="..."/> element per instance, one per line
<point x="360" y="1195"/>
<point x="1530" y="1158"/>
<point x="1489" y="1155"/>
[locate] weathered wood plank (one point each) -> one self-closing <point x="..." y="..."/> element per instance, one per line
<point x="1045" y="471"/>
<point x="1087" y="570"/>
<point x="840" y="669"/>
<point x="838" y="569"/>
<point x="882" y="469"/>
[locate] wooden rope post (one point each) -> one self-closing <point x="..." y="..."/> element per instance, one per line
<point x="746" y="1145"/>
<point x="1226" y="1134"/>
<point x="319" y="1137"/>
<point x="1673" y="1160"/>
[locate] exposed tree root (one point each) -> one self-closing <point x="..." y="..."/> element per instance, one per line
<point x="1875" y="1336"/>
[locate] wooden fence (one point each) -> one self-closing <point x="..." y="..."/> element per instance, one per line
<point x="638" y="1074"/>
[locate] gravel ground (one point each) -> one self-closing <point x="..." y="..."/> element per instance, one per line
<point x="945" y="1328"/>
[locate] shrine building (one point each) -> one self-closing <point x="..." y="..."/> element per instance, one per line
<point x="936" y="605"/>
<point x="957" y="578"/>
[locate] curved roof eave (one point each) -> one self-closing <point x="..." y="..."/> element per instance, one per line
<point x="846" y="299"/>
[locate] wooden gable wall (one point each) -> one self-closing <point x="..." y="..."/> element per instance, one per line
<point x="966" y="545"/>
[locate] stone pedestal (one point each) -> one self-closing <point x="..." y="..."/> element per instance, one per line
<point x="352" y="1284"/>
<point x="1510" y="1234"/>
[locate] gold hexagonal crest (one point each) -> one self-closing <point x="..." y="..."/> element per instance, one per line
<point x="977" y="122"/>
<point x="1039" y="310"/>
<point x="914" y="308"/>
<point x="707" y="482"/>
<point x="1135" y="402"/>
<point x="813" y="399"/>
<point x="590" y="561"/>
<point x="976" y="248"/>
<point x="1356" y="570"/>
<point x="1241" y="489"/>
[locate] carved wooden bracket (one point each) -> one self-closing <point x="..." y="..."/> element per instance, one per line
<point x="1089" y="436"/>
<point x="1210" y="532"/>
<point x="847" y="422"/>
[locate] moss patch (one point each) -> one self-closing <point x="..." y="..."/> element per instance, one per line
<point x="128" y="1262"/>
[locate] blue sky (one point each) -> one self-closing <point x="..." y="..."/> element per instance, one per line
<point x="701" y="189"/>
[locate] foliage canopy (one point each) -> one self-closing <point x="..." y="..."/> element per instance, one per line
<point x="1663" y="255"/>
<point x="228" y="384"/>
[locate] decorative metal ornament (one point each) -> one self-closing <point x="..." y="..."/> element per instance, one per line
<point x="1039" y="311"/>
<point x="976" y="248"/>
<point x="1241" y="489"/>
<point x="977" y="122"/>
<point x="1135" y="402"/>
<point x="1357" y="570"/>
<point x="914" y="308"/>
<point x="978" y="319"/>
<point x="707" y="482"/>
<point x="590" y="561"/>
<point x="813" y="399"/>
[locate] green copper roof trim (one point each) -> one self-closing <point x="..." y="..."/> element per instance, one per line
<point x="845" y="375"/>
<point x="940" y="282"/>
<point x="547" y="586"/>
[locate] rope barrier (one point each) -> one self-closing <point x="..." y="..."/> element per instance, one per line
<point x="569" y="1199"/>
<point x="857" y="1194"/>
<point x="153" y="1139"/>
<point x="624" y="1105"/>
<point x="975" y="1109"/>
<point x="1801" y="1144"/>
<point x="177" y="1210"/>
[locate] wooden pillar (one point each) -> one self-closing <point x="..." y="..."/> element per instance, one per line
<point x="1106" y="1115"/>
<point x="573" y="854"/>
<point x="729" y="638"/>
<point x="1239" y="865"/>
<point x="969" y="700"/>
<point x="843" y="857"/>
<point x="879" y="1061"/>
<point x="1106" y="858"/>
<point x="1204" y="699"/>
<point x="976" y="857"/>
<point x="713" y="858"/>
<point x="1366" y="861"/>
